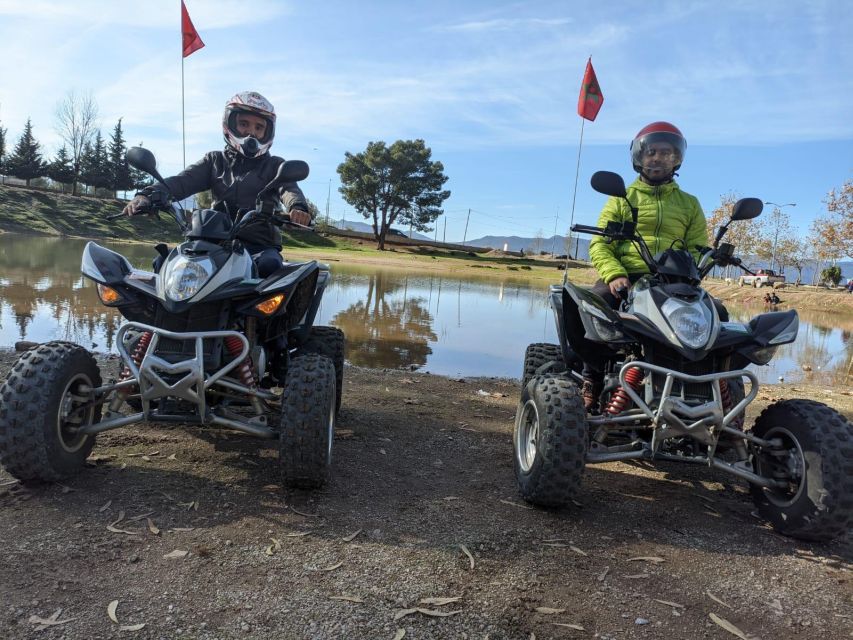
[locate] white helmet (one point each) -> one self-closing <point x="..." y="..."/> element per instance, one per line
<point x="255" y="104"/>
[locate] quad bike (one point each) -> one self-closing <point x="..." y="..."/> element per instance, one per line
<point x="206" y="342"/>
<point x="674" y="390"/>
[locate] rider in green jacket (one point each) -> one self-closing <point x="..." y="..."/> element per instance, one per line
<point x="666" y="215"/>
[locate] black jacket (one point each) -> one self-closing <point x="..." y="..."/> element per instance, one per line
<point x="235" y="181"/>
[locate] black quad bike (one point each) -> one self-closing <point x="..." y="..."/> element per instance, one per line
<point x="206" y="341"/>
<point x="674" y="390"/>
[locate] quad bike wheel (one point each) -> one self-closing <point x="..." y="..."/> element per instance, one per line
<point x="307" y="421"/>
<point x="536" y="355"/>
<point x="550" y="440"/>
<point x="45" y="400"/>
<point x="814" y="459"/>
<point x="329" y="342"/>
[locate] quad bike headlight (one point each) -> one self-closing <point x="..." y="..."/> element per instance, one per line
<point x="185" y="276"/>
<point x="691" y="322"/>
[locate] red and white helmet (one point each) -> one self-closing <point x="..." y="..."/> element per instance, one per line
<point x="658" y="132"/>
<point x="252" y="103"/>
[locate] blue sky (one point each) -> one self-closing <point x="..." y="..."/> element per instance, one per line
<point x="762" y="90"/>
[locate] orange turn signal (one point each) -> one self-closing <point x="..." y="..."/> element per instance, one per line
<point x="108" y="295"/>
<point x="271" y="304"/>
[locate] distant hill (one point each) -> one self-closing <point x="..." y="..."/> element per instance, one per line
<point x="355" y="225"/>
<point x="517" y="243"/>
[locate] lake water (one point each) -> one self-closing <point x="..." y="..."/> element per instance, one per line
<point x="392" y="318"/>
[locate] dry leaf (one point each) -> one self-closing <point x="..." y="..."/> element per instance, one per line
<point x="669" y="604"/>
<point x="302" y="513"/>
<point x="402" y="613"/>
<point x="106" y="506"/>
<point x="553" y="544"/>
<point x="140" y="516"/>
<point x="401" y="633"/>
<point x="569" y="625"/>
<point x="655" y="559"/>
<point x="603" y="574"/>
<point x="438" y="602"/>
<point x="451" y="498"/>
<point x="172" y="457"/>
<point x="182" y="529"/>
<point x="717" y="600"/>
<point x="111" y="526"/>
<point x="111" y="610"/>
<point x="296" y="535"/>
<point x="52" y="621"/>
<point x="437" y="614"/>
<point x="515" y="504"/>
<point x="728" y="626"/>
<point x="555" y="540"/>
<point x="333" y="567"/>
<point x="549" y="610"/>
<point x="271" y="487"/>
<point x="355" y="599"/>
<point x="177" y="553"/>
<point x="637" y="576"/>
<point x="351" y="536"/>
<point x="577" y="551"/>
<point x="467" y="553"/>
<point x="131" y="627"/>
<point x="146" y="458"/>
<point x="153" y="528"/>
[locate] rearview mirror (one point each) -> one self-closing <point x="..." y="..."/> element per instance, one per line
<point x="291" y="171"/>
<point x="608" y="183"/>
<point x="142" y="159"/>
<point x="747" y="209"/>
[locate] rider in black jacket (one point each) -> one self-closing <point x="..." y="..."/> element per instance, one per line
<point x="236" y="176"/>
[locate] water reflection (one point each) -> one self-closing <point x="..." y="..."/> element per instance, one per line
<point x="436" y="322"/>
<point x="388" y="328"/>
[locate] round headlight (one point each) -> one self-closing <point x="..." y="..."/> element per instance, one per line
<point x="691" y="322"/>
<point x="185" y="277"/>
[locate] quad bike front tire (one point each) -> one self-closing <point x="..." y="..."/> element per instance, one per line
<point x="815" y="458"/>
<point x="550" y="441"/>
<point x="308" y="417"/>
<point x="329" y="342"/>
<point x="45" y="400"/>
<point x="537" y="355"/>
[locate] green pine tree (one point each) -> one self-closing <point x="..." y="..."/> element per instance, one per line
<point x="61" y="169"/>
<point x="2" y="148"/>
<point x="26" y="162"/>
<point x="95" y="170"/>
<point x="120" y="176"/>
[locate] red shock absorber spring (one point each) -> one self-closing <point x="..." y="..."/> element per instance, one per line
<point x="620" y="400"/>
<point x="244" y="371"/>
<point x="138" y="353"/>
<point x="726" y="395"/>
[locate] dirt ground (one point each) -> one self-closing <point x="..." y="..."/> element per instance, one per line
<point x="191" y="532"/>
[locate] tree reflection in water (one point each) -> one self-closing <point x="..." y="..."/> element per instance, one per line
<point x="384" y="332"/>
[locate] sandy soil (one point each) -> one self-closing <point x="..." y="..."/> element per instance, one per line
<point x="422" y="478"/>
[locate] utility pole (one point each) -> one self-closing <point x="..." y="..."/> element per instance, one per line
<point x="465" y="235"/>
<point x="777" y="214"/>
<point x="328" y="199"/>
<point x="444" y="236"/>
<point x="554" y="238"/>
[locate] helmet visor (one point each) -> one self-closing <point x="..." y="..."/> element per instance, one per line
<point x="243" y="123"/>
<point x="658" y="153"/>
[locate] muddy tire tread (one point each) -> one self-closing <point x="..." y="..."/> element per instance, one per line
<point x="26" y="402"/>
<point x="555" y="479"/>
<point x="329" y="342"/>
<point x="303" y="439"/>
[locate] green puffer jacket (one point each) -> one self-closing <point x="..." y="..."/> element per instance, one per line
<point x="665" y="214"/>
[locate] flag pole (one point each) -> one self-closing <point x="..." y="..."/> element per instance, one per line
<point x="574" y="197"/>
<point x="183" y="117"/>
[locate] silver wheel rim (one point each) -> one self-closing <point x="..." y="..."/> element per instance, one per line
<point x="68" y="420"/>
<point x="527" y="436"/>
<point x="796" y="458"/>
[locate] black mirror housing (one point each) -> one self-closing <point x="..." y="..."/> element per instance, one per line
<point x="608" y="183"/>
<point x="747" y="209"/>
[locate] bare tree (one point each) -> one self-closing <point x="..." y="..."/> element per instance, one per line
<point x="76" y="123"/>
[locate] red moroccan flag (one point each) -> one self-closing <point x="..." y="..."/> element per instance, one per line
<point x="591" y="98"/>
<point x="192" y="41"/>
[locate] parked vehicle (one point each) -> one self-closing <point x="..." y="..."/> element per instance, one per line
<point x="206" y="342"/>
<point x="761" y="278"/>
<point x="674" y="390"/>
